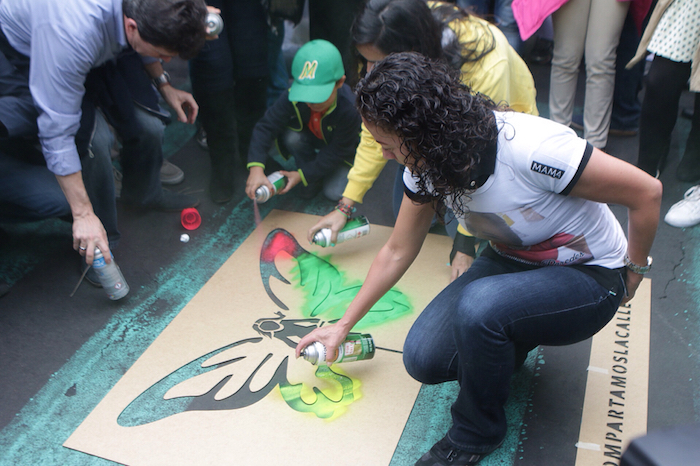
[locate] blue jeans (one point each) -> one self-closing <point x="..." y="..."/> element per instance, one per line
<point x="503" y="13"/>
<point x="29" y="191"/>
<point x="473" y="330"/>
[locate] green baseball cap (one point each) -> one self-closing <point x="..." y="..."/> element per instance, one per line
<point x="316" y="67"/>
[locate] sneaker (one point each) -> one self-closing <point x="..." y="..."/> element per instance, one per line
<point x="170" y="174"/>
<point x="686" y="212"/>
<point x="444" y="453"/>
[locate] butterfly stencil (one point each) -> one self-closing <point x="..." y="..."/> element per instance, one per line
<point x="245" y="371"/>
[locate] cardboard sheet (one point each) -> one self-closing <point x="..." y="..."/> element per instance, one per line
<point x="617" y="390"/>
<point x="221" y="385"/>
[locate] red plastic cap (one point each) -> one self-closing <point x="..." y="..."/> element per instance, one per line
<point x="190" y="218"/>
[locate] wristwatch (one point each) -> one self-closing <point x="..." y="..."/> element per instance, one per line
<point x="161" y="80"/>
<point x="641" y="270"/>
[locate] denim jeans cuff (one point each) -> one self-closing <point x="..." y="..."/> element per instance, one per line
<point x="477" y="449"/>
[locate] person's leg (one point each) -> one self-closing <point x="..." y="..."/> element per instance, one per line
<point x="18" y="113"/>
<point x="507" y="24"/>
<point x="664" y="84"/>
<point x="302" y="148"/>
<point x="29" y="191"/>
<point x="248" y="41"/>
<point x="604" y="28"/>
<point x="141" y="159"/>
<point x="334" y="185"/>
<point x="570" y="23"/>
<point x="628" y="83"/>
<point x="212" y="75"/>
<point x="492" y="313"/>
<point x="480" y="7"/>
<point x="689" y="168"/>
<point x="98" y="177"/>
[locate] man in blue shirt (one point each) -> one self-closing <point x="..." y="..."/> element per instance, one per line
<point x="59" y="62"/>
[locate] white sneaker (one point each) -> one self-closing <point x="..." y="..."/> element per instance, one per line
<point x="686" y="212"/>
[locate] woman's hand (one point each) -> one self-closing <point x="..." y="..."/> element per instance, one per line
<point x="460" y="264"/>
<point x="335" y="220"/>
<point x="632" y="282"/>
<point x="330" y="336"/>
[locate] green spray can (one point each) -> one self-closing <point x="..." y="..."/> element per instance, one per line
<point x="263" y="193"/>
<point x="356" y="347"/>
<point x="355" y="228"/>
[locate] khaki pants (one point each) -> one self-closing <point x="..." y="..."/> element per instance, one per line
<point x="590" y="27"/>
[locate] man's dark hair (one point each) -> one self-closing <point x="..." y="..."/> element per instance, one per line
<point x="411" y="26"/>
<point x="175" y="25"/>
<point x="442" y="124"/>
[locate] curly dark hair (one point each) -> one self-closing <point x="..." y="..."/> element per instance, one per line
<point x="175" y="25"/>
<point x="443" y="126"/>
<point x="411" y="26"/>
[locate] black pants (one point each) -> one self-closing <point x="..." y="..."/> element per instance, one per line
<point x="666" y="81"/>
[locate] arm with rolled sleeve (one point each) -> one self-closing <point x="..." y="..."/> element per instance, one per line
<point x="56" y="81"/>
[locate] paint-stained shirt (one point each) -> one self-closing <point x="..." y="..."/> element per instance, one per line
<point x="524" y="208"/>
<point x="63" y="39"/>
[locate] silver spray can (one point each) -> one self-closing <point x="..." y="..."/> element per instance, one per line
<point x="263" y="193"/>
<point x="356" y="347"/>
<point x="110" y="276"/>
<point x="355" y="228"/>
<point x="215" y="24"/>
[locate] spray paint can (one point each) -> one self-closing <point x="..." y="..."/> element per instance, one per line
<point x="355" y="228"/>
<point x="263" y="193"/>
<point x="215" y="24"/>
<point x="110" y="276"/>
<point x="356" y="347"/>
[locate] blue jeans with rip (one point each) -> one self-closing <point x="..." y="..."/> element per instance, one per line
<point x="474" y="329"/>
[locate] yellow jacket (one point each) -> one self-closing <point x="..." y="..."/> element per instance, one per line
<point x="501" y="75"/>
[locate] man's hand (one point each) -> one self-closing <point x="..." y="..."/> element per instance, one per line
<point x="460" y="264"/>
<point x="88" y="231"/>
<point x="182" y="102"/>
<point x="256" y="178"/>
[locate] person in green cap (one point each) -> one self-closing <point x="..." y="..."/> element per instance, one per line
<point x="311" y="132"/>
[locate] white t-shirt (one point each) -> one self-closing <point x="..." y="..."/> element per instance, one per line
<point x="523" y="209"/>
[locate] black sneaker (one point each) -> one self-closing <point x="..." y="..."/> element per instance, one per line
<point x="444" y="453"/>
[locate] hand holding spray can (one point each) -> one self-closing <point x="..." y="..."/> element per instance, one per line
<point x="356" y="347"/>
<point x="355" y="228"/>
<point x="263" y="193"/>
<point x="215" y="24"/>
<point x="110" y="276"/>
